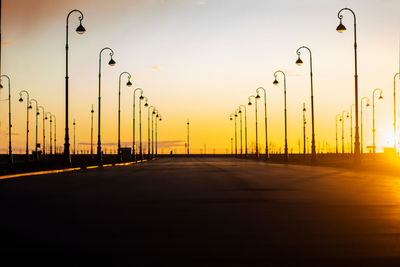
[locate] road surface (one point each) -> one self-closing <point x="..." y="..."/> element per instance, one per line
<point x="202" y="212"/>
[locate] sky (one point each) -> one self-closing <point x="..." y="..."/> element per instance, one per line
<point x="199" y="60"/>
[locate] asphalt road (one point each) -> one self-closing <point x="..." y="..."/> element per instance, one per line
<point x="202" y="212"/>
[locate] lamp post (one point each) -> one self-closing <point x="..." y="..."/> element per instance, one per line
<point x="337" y="145"/>
<point x="152" y="132"/>
<point x="265" y="118"/>
<point x="367" y="105"/>
<point x="304" y="129"/>
<point x="74" y="124"/>
<point x="394" y="112"/>
<point x="245" y="125"/>
<point x="188" y="137"/>
<point x="351" y="127"/>
<point x="48" y="116"/>
<point x="373" y="116"/>
<point x="342" y="119"/>
<point x="237" y="111"/>
<point x="91" y="132"/>
<point x="129" y="84"/>
<point x="148" y="131"/>
<point x="10" y="158"/>
<point x="158" y="119"/>
<point x="284" y="88"/>
<point x="300" y="62"/>
<point x="255" y="105"/>
<point x="44" y="131"/>
<point x="27" y="121"/>
<point x="36" y="127"/>
<point x="111" y="63"/>
<point x="80" y="30"/>
<point x="341" y="28"/>
<point x="134" y="119"/>
<point x="55" y="133"/>
<point x="231" y="117"/>
<point x="146" y="104"/>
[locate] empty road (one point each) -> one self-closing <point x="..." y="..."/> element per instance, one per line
<point x="202" y="212"/>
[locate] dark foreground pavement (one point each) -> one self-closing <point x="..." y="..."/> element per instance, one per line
<point x="202" y="212"/>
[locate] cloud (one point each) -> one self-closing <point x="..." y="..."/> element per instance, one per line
<point x="155" y="67"/>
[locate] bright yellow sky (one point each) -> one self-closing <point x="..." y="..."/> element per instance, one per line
<point x="199" y="59"/>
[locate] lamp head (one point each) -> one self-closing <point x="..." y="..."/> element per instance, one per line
<point x="92" y="111"/>
<point x="380" y="97"/>
<point x="141" y="97"/>
<point x="367" y="105"/>
<point x="157" y="116"/>
<point x="111" y="62"/>
<point x="1" y="86"/>
<point x="30" y="106"/>
<point x="236" y="115"/>
<point x="249" y="103"/>
<point x="129" y="83"/>
<point x="154" y="112"/>
<point x="299" y="62"/>
<point x="80" y="29"/>
<point x="160" y="119"/>
<point x="240" y="111"/>
<point x="230" y="118"/>
<point x="347" y="116"/>
<point x="341" y="28"/>
<point x="46" y="119"/>
<point x="340" y="119"/>
<point x="275" y="82"/>
<point x="146" y="105"/>
<point x="258" y="96"/>
<point x="20" y="99"/>
<point x="304" y="109"/>
<point x="37" y="113"/>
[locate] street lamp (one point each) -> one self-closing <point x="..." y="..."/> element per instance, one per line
<point x="342" y="119"/>
<point x="245" y="125"/>
<point x="300" y="62"/>
<point x="28" y="106"/>
<point x="265" y="118"/>
<point x="351" y="127"/>
<point x="188" y="137"/>
<point x="394" y="112"/>
<point x="80" y="30"/>
<point x="36" y="127"/>
<point x="304" y="128"/>
<point x="91" y="132"/>
<point x="148" y="131"/>
<point x="140" y="121"/>
<point x="231" y="117"/>
<point x="158" y="118"/>
<point x="44" y="131"/>
<point x="255" y="105"/>
<point x="48" y="116"/>
<point x="134" y="119"/>
<point x="341" y="28"/>
<point x="237" y="111"/>
<point x="367" y="105"/>
<point x="55" y="133"/>
<point x="129" y="84"/>
<point x="10" y="158"/>
<point x="111" y="63"/>
<point x="152" y="132"/>
<point x="373" y="116"/>
<point x="74" y="124"/>
<point x="275" y="82"/>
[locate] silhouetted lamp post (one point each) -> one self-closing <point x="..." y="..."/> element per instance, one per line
<point x="394" y="112"/>
<point x="284" y="88"/>
<point x="55" y="133"/>
<point x="134" y="119"/>
<point x="129" y="84"/>
<point x="341" y="28"/>
<point x="299" y="62"/>
<point x="74" y="124"/>
<point x="337" y="142"/>
<point x="265" y="118"/>
<point x="44" y="131"/>
<point x="152" y="131"/>
<point x="111" y="63"/>
<point x="146" y="104"/>
<point x="373" y="116"/>
<point x="28" y="106"/>
<point x="91" y="132"/>
<point x="233" y="117"/>
<point x="188" y="136"/>
<point x="80" y="30"/>
<point x="48" y="116"/>
<point x="245" y="125"/>
<point x="158" y="119"/>
<point x="362" y="138"/>
<point x="36" y="127"/>
<point x="237" y="111"/>
<point x="10" y="157"/>
<point x="148" y="131"/>
<point x="351" y="128"/>
<point x="342" y="119"/>
<point x="255" y="105"/>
